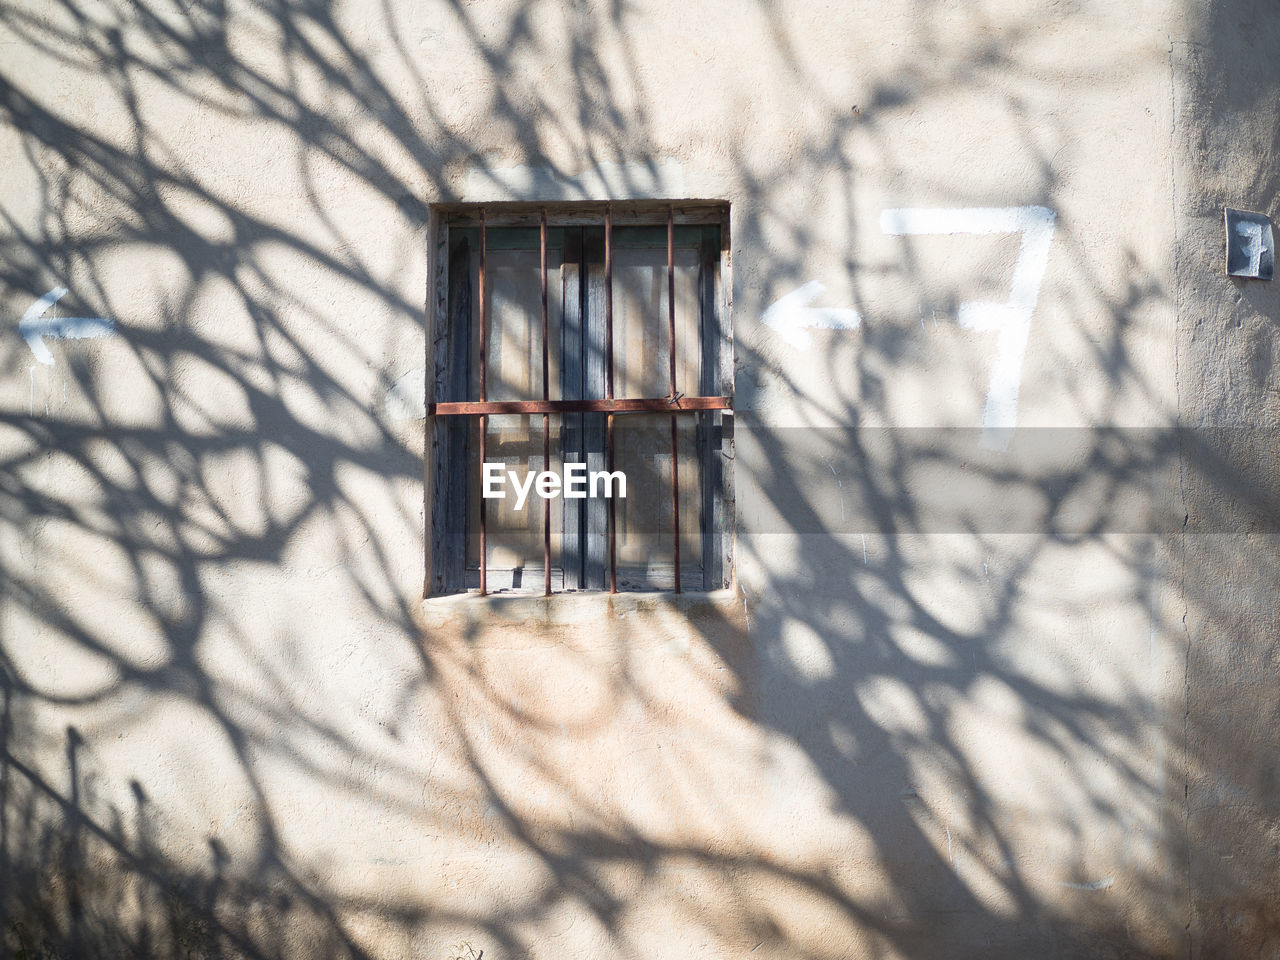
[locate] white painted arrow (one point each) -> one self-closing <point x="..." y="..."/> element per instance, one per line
<point x="792" y="317"/>
<point x="34" y="328"/>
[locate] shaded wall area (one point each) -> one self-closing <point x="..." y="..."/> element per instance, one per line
<point x="1228" y="337"/>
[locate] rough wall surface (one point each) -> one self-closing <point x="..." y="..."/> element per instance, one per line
<point x="997" y="676"/>
<point x="1228" y="337"/>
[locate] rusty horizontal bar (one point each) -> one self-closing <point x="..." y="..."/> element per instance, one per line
<point x="617" y="405"/>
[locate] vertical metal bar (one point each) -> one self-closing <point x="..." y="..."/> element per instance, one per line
<point x="608" y="385"/>
<point x="484" y="420"/>
<point x="613" y="520"/>
<point x="608" y="302"/>
<point x="546" y="422"/>
<point x="576" y="340"/>
<point x="671" y="343"/>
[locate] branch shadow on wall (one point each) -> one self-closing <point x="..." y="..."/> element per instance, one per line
<point x="845" y="674"/>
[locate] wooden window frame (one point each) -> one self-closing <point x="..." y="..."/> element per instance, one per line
<point x="588" y="405"/>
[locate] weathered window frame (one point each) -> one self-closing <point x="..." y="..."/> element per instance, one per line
<point x="588" y="406"/>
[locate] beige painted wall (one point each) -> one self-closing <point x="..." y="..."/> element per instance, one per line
<point x="1041" y="722"/>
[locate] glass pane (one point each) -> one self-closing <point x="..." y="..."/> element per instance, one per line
<point x="642" y="450"/>
<point x="514" y="535"/>
<point x="641" y="338"/>
<point x="513" y="366"/>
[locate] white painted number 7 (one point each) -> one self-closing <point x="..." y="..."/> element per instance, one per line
<point x="1010" y="321"/>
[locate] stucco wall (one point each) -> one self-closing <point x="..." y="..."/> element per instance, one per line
<point x="1227" y="342"/>
<point x="975" y="692"/>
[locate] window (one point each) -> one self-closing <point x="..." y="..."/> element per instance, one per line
<point x="593" y="334"/>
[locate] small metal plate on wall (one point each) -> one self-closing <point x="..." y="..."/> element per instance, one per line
<point x="1250" y="245"/>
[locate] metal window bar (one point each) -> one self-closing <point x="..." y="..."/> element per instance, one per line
<point x="546" y="395"/>
<point x="671" y="343"/>
<point x="608" y="383"/>
<point x="484" y="419"/>
<point x="675" y="403"/>
<point x="463" y="408"/>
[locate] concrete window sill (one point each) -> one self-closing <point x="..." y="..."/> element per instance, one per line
<point x="573" y="607"/>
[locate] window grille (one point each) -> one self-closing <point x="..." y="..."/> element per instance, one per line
<point x="489" y="369"/>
